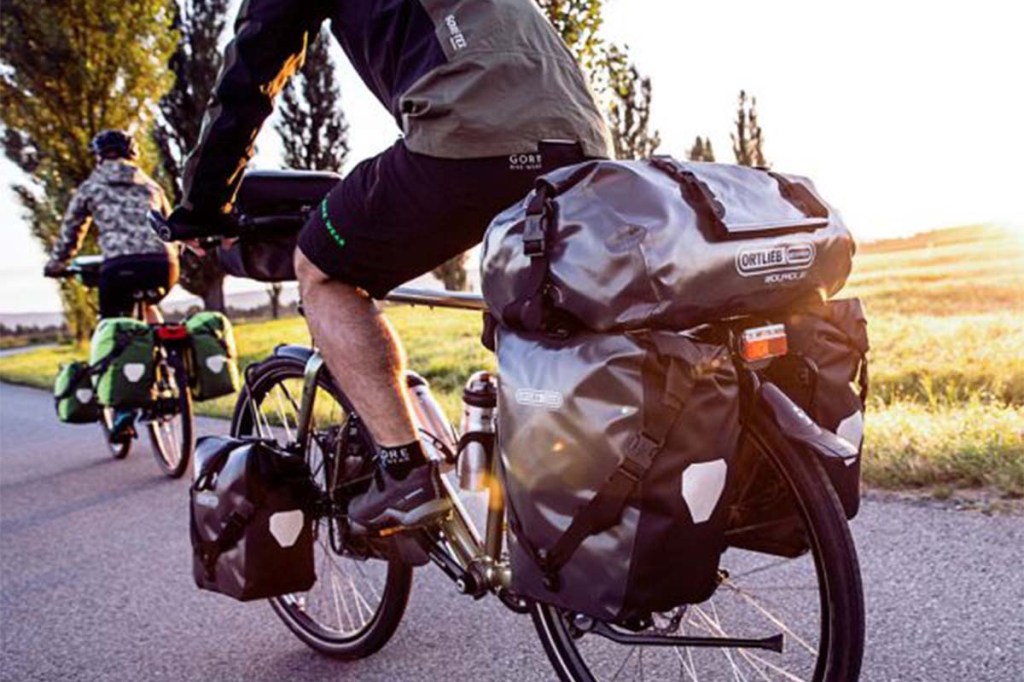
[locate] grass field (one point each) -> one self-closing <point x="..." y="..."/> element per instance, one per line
<point x="946" y="315"/>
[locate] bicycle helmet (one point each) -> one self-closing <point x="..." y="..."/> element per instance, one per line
<point x="114" y="144"/>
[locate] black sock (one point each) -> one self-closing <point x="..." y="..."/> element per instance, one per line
<point x="397" y="461"/>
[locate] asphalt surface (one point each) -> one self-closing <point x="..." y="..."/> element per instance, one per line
<point x="96" y="585"/>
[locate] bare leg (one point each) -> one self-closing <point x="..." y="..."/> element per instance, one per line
<point x="361" y="350"/>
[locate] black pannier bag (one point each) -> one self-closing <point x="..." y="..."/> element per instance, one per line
<point x="616" y="451"/>
<point x="616" y="245"/>
<point x="280" y="201"/>
<point x="826" y="374"/>
<point x="251" y="528"/>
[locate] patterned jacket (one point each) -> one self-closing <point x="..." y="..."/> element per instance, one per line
<point x="117" y="196"/>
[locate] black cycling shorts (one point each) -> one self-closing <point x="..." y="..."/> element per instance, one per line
<point x="125" y="278"/>
<point x="400" y="214"/>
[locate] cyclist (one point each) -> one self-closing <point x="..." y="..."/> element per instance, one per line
<point x="487" y="97"/>
<point x="117" y="197"/>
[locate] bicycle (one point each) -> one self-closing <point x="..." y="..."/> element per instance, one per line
<point x="364" y="581"/>
<point x="168" y="417"/>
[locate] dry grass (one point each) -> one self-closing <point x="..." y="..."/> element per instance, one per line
<point x="947" y="329"/>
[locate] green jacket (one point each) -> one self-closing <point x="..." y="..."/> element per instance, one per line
<point x="462" y="78"/>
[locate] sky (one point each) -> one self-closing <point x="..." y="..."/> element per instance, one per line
<point x="905" y="114"/>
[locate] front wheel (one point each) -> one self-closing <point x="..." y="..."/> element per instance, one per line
<point x="170" y="422"/>
<point x="814" y="601"/>
<point x="357" y="603"/>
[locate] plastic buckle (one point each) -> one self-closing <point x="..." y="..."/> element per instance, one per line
<point x="639" y="456"/>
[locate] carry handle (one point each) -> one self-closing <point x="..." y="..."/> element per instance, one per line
<point x="702" y="200"/>
<point x="696" y="193"/>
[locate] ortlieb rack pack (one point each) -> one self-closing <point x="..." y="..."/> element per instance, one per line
<point x="618" y="245"/>
<point x="619" y="427"/>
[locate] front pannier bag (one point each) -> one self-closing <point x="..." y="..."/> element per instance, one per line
<point x="616" y="245"/>
<point x="74" y="395"/>
<point x="123" y="354"/>
<point x="214" y="356"/>
<point x="252" y="533"/>
<point x="617" y="452"/>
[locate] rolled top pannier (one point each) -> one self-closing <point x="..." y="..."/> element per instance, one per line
<point x="74" y="396"/>
<point x="213" y="360"/>
<point x="281" y="200"/>
<point x="123" y="356"/>
<point x="617" y="450"/>
<point x="617" y="245"/>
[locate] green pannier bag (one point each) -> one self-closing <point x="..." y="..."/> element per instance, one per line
<point x="74" y="396"/>
<point x="123" y="354"/>
<point x="214" y="359"/>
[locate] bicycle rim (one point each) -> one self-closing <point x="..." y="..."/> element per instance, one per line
<point x="171" y="434"/>
<point x="814" y="601"/>
<point x="356" y="604"/>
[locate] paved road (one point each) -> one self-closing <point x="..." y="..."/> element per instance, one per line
<point x="96" y="585"/>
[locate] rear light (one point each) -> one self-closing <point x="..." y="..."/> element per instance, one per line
<point x="172" y="332"/>
<point x="762" y="343"/>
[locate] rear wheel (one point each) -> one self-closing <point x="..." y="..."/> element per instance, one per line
<point x="170" y="422"/>
<point x="357" y="602"/>
<point x="815" y="601"/>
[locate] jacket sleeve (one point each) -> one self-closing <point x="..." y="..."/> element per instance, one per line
<point x="269" y="46"/>
<point x="74" y="227"/>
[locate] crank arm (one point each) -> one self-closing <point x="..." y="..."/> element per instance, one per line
<point x="773" y="643"/>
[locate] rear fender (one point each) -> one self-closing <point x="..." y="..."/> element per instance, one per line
<point x="799" y="428"/>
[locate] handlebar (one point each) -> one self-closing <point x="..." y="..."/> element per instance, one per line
<point x="232" y="226"/>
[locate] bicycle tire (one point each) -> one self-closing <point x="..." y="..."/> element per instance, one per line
<point x="175" y="464"/>
<point x="394" y="595"/>
<point x="841" y="644"/>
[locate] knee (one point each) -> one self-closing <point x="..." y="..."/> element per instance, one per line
<point x="307" y="273"/>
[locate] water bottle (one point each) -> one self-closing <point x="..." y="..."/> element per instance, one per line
<point x="479" y="400"/>
<point x="434" y="430"/>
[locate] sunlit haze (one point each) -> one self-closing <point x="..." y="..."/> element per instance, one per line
<point x="906" y="114"/>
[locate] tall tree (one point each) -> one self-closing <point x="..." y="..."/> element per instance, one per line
<point x="748" y="140"/>
<point x="69" y="69"/>
<point x="629" y="108"/>
<point x="195" y="65"/>
<point x="701" y="150"/>
<point x="313" y="128"/>
<point x="623" y="92"/>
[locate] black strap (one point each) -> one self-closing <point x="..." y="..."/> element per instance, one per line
<point x="696" y="194"/>
<point x="666" y="385"/>
<point x="527" y="310"/>
<point x="800" y="196"/>
<point x="209" y="551"/>
<point x="213" y="465"/>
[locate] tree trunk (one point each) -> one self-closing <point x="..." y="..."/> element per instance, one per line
<point x="213" y="297"/>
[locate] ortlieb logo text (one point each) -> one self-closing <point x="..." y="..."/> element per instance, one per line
<point x="765" y="260"/>
<point x="532" y="397"/>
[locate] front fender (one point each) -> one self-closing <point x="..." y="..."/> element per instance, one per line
<point x="799" y="428"/>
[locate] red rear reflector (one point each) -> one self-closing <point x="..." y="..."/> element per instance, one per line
<point x="761" y="343"/>
<point x="172" y="332"/>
